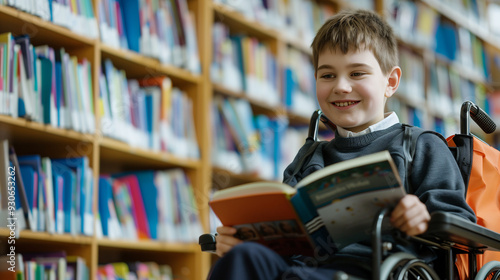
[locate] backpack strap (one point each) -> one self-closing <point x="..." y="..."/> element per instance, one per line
<point x="409" y="145"/>
<point x="410" y="138"/>
<point x="303" y="160"/>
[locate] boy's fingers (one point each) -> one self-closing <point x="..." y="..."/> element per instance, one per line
<point x="409" y="214"/>
<point x="415" y="224"/>
<point x="224" y="243"/>
<point x="401" y="209"/>
<point x="227" y="239"/>
<point x="226" y="230"/>
<point x="415" y="228"/>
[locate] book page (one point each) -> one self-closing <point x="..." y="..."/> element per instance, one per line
<point x="348" y="201"/>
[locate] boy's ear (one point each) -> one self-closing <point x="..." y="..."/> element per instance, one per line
<point x="393" y="81"/>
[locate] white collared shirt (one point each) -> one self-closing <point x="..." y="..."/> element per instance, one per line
<point x="389" y="120"/>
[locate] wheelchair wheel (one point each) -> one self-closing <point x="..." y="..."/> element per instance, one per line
<point x="490" y="270"/>
<point x="405" y="266"/>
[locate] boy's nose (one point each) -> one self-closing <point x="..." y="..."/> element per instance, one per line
<point x="342" y="86"/>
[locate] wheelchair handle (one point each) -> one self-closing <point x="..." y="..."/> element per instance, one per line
<point x="314" y="124"/>
<point x="478" y="116"/>
<point x="207" y="242"/>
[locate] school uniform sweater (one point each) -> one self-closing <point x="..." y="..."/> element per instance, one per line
<point x="435" y="178"/>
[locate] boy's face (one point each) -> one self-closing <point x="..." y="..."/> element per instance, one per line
<point x="351" y="88"/>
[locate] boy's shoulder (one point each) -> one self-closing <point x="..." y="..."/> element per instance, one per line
<point x="414" y="133"/>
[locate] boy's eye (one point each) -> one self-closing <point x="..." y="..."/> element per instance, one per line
<point x="327" y="76"/>
<point x="357" y="74"/>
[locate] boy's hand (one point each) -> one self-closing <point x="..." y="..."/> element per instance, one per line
<point x="410" y="215"/>
<point x="225" y="240"/>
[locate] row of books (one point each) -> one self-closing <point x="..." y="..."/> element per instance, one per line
<point x="298" y="83"/>
<point x="422" y="117"/>
<point x="46" y="265"/>
<point x="293" y="19"/>
<point x="135" y="270"/>
<point x="444" y="89"/>
<point x="244" y="142"/>
<point x="51" y="194"/>
<point x="243" y="63"/>
<point x="157" y="205"/>
<point x="159" y="115"/>
<point x="45" y="85"/>
<point x="421" y="25"/>
<point x="163" y="29"/>
<point x="480" y="16"/>
<point x="77" y="15"/>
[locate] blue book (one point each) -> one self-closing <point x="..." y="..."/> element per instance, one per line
<point x="290" y="86"/>
<point x="104" y="201"/>
<point x="21" y="196"/>
<point x="131" y="22"/>
<point x="35" y="187"/>
<point x="46" y="88"/>
<point x="69" y="187"/>
<point x="446" y="40"/>
<point x="59" y="92"/>
<point x="79" y="166"/>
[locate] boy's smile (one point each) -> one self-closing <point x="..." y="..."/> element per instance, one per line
<point x="351" y="88"/>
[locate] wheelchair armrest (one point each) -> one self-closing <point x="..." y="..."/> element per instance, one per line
<point x="460" y="233"/>
<point x="207" y="242"/>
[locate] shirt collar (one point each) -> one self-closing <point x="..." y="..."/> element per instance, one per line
<point x="389" y="120"/>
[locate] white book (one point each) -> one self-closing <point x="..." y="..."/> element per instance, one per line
<point x="49" y="212"/>
<point x="88" y="214"/>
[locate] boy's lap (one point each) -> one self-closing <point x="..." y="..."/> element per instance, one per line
<point x="255" y="256"/>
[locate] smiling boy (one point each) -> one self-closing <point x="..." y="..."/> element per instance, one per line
<point x="355" y="57"/>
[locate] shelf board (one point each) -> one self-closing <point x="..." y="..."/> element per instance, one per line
<point x="258" y="105"/>
<point x="238" y="23"/>
<point x="40" y="31"/>
<point x="148" y="245"/>
<point x="28" y="235"/>
<point x="297" y="44"/>
<point x="223" y="178"/>
<point x="139" y="66"/>
<point x="22" y="130"/>
<point x="117" y="155"/>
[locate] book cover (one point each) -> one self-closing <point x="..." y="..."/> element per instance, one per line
<point x="327" y="210"/>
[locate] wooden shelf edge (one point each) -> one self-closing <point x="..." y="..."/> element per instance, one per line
<point x="250" y="177"/>
<point x="44" y="128"/>
<point x="14" y="13"/>
<point x="118" y="146"/>
<point x="45" y="236"/>
<point x="156" y="67"/>
<point x="148" y="245"/>
<point x="230" y="15"/>
<point x="221" y="89"/>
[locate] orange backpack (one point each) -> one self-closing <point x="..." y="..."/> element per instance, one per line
<point x="479" y="165"/>
<point x="483" y="196"/>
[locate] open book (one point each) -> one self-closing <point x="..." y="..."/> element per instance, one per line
<point x="328" y="210"/>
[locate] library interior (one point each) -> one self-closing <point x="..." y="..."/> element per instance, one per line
<point x="120" y="118"/>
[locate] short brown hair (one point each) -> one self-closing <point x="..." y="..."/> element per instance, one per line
<point x="355" y="29"/>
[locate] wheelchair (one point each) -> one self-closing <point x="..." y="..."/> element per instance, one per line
<point x="449" y="234"/>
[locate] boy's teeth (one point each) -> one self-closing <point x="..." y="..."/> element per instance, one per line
<point x="343" y="104"/>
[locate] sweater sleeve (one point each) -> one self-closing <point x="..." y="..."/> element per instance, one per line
<point x="436" y="178"/>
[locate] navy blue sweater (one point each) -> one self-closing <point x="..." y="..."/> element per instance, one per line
<point x="435" y="177"/>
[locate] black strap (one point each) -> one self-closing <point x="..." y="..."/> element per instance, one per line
<point x="409" y="146"/>
<point x="303" y="160"/>
<point x="408" y="149"/>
